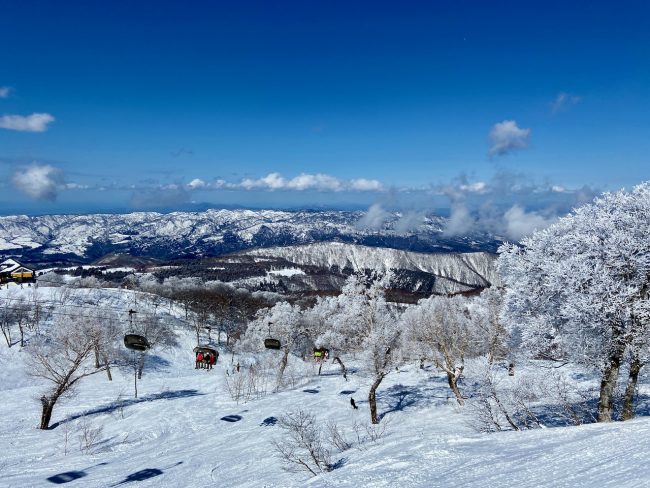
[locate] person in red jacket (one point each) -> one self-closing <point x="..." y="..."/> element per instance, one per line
<point x="213" y="359"/>
<point x="199" y="360"/>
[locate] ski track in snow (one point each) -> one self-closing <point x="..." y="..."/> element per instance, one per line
<point x="173" y="434"/>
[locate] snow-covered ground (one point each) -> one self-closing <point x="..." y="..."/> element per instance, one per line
<point x="185" y="430"/>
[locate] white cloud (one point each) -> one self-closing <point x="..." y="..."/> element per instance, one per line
<point x="76" y="186"/>
<point x="35" y="122"/>
<point x="196" y="183"/>
<point x="564" y="101"/>
<point x="506" y="136"/>
<point x="315" y="182"/>
<point x="374" y="217"/>
<point x="460" y="220"/>
<point x="39" y="181"/>
<point x="4" y="91"/>
<point x="519" y="223"/>
<point x="363" y="184"/>
<point x="302" y="182"/>
<point x="478" y="187"/>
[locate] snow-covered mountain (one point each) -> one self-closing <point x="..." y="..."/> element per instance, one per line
<point x="425" y="272"/>
<point x="83" y="238"/>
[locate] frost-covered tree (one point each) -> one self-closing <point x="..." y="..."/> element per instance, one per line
<point x="283" y="322"/>
<point x="360" y="320"/>
<point x="491" y="334"/>
<point x="440" y="329"/>
<point x="578" y="290"/>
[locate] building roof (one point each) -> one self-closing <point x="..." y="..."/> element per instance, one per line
<point x="11" y="265"/>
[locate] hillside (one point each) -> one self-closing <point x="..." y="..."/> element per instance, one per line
<point x="449" y="272"/>
<point x="84" y="238"/>
<point x="185" y="430"/>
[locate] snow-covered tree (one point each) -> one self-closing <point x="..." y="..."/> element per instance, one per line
<point x="283" y="322"/>
<point x="360" y="320"/>
<point x="578" y="290"/>
<point x="491" y="334"/>
<point x="441" y="330"/>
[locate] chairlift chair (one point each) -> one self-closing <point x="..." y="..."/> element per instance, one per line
<point x="136" y="342"/>
<point x="207" y="350"/>
<point x="271" y="343"/>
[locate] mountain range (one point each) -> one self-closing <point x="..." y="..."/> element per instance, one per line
<point x="86" y="238"/>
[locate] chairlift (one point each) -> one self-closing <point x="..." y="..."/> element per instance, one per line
<point x="206" y="350"/>
<point x="206" y="353"/>
<point x="136" y="342"/>
<point x="270" y="342"/>
<point x="321" y="353"/>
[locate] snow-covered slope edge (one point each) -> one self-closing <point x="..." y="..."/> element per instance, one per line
<point x="454" y="272"/>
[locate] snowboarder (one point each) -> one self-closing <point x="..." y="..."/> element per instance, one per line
<point x="354" y="405"/>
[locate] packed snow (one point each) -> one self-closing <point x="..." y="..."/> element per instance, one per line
<point x="184" y="429"/>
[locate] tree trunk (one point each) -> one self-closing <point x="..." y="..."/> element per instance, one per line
<point x="343" y="369"/>
<point x="46" y="413"/>
<point x="283" y="366"/>
<point x="6" y="331"/>
<point x="97" y="363"/>
<point x="452" y="379"/>
<point x="372" y="399"/>
<point x="140" y="366"/>
<point x="135" y="381"/>
<point x="630" y="390"/>
<point x="108" y="372"/>
<point x="608" y="384"/>
<point x="22" y="334"/>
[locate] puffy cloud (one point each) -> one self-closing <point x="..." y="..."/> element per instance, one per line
<point x="506" y="137"/>
<point x="410" y="221"/>
<point x="305" y="181"/>
<point x="564" y="101"/>
<point x="374" y="218"/>
<point x="519" y="223"/>
<point x="478" y="187"/>
<point x="36" y="122"/>
<point x="196" y="183"/>
<point x="40" y="181"/>
<point x="4" y="91"/>
<point x="363" y="184"/>
<point x="315" y="182"/>
<point x="460" y="220"/>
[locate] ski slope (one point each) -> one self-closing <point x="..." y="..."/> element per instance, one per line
<point x="185" y="430"/>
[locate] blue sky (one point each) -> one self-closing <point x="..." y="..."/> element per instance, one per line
<point x="132" y="105"/>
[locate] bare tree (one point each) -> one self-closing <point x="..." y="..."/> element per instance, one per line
<point x="303" y="448"/>
<point x="159" y="333"/>
<point x="63" y="358"/>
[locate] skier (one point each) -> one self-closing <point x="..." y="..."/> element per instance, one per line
<point x="199" y="360"/>
<point x="354" y="405"/>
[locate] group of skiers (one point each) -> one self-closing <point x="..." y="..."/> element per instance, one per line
<point x="205" y="361"/>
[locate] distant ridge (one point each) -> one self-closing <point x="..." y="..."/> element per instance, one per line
<point x="86" y="238"/>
